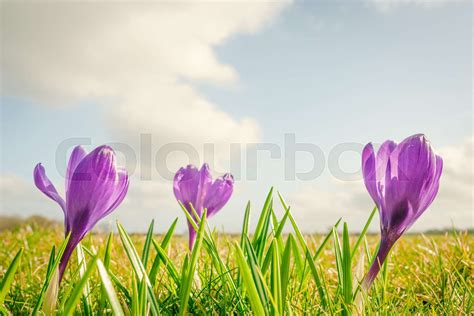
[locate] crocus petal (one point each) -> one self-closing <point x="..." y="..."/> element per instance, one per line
<point x="77" y="155"/>
<point x="185" y="185"/>
<point x="205" y="182"/>
<point x="432" y="188"/>
<point x="413" y="162"/>
<point x="46" y="186"/>
<point x="93" y="189"/>
<point x="219" y="193"/>
<point x="368" y="171"/>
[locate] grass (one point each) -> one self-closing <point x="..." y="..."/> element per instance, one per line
<point x="265" y="272"/>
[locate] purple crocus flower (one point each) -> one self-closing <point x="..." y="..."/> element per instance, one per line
<point x="95" y="186"/>
<point x="197" y="187"/>
<point x="403" y="181"/>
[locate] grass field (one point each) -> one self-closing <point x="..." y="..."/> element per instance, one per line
<point x="264" y="274"/>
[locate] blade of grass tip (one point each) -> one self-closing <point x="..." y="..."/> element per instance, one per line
<point x="308" y="256"/>
<point x="195" y="214"/>
<point x="276" y="226"/>
<point x="86" y="298"/>
<point x="172" y="271"/>
<point x="8" y="277"/>
<point x="137" y="266"/>
<point x="164" y="245"/>
<point x="186" y="287"/>
<point x="255" y="269"/>
<point x="123" y="289"/>
<point x="245" y="226"/>
<point x="364" y="231"/>
<point x="244" y="234"/>
<point x="262" y="240"/>
<point x="108" y="289"/>
<point x="49" y="275"/>
<point x="108" y="250"/>
<point x="347" y="269"/>
<point x="326" y="240"/>
<point x="52" y="257"/>
<point x="190" y="219"/>
<point x="338" y="255"/>
<point x="281" y="225"/>
<point x="146" y="246"/>
<point x="262" y="218"/>
<point x="256" y="304"/>
<point x="267" y="260"/>
<point x="76" y="294"/>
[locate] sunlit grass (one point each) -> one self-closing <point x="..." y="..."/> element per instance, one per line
<point x="262" y="273"/>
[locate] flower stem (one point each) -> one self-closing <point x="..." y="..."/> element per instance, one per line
<point x="384" y="249"/>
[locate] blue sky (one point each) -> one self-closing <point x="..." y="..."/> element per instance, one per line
<point x="327" y="72"/>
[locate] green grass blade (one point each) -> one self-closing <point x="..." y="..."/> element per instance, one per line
<point x="146" y="246"/>
<point x="108" y="289"/>
<point x="142" y="297"/>
<point x="71" y="303"/>
<point x="86" y="297"/>
<point x="263" y="218"/>
<point x="189" y="217"/>
<point x="106" y="264"/>
<point x="364" y="231"/>
<point x="185" y="290"/>
<point x="276" y="278"/>
<point x="245" y="226"/>
<point x="285" y="270"/>
<point x="138" y="267"/>
<point x="51" y="270"/>
<point x="346" y="270"/>
<point x="172" y="271"/>
<point x="159" y="258"/>
<point x="248" y="281"/>
<point x="8" y="277"/>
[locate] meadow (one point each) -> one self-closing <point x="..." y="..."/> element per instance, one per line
<point x="263" y="272"/>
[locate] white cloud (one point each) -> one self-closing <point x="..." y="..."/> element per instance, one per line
<point x="316" y="207"/>
<point x="387" y="5"/>
<point x="138" y="59"/>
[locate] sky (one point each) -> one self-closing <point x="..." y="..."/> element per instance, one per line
<point x="281" y="94"/>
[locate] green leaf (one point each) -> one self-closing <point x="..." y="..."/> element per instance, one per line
<point x="276" y="278"/>
<point x="246" y="273"/>
<point x="7" y="279"/>
<point x="146" y="246"/>
<point x="158" y="258"/>
<point x="346" y="269"/>
<point x="262" y="219"/>
<point x="185" y="289"/>
<point x="307" y="253"/>
<point x="106" y="264"/>
<point x="71" y="303"/>
<point x="50" y="271"/>
<point x="108" y="289"/>
<point x="285" y="269"/>
<point x="86" y="299"/>
<point x="138" y="267"/>
<point x="364" y="231"/>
